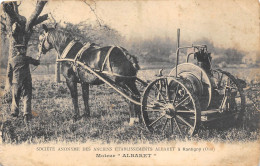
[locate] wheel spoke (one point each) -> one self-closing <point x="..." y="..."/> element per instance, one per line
<point x="184" y="121"/>
<point x="154" y="110"/>
<point x="175" y="94"/>
<point x="161" y="94"/>
<point x="170" y="108"/>
<point x="177" y="126"/>
<point x="153" y="100"/>
<point x="172" y="125"/>
<point x="184" y="111"/>
<point x="154" y="104"/>
<point x="156" y="120"/>
<point x="182" y="101"/>
<point x="162" y="97"/>
<point x="165" y="124"/>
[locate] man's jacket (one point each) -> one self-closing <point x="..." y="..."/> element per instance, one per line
<point x="18" y="69"/>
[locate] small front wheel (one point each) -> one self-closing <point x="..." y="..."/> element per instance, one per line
<point x="168" y="107"/>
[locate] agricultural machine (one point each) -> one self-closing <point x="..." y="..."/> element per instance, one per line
<point x="192" y="93"/>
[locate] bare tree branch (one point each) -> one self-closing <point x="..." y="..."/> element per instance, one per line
<point x="2" y="23"/>
<point x="35" y="14"/>
<point x="3" y="18"/>
<point x="19" y="3"/>
<point x="15" y="7"/>
<point x="93" y="10"/>
<point x="40" y="19"/>
<point x="95" y="4"/>
<point x="3" y="28"/>
<point x="52" y="18"/>
<point x="9" y="9"/>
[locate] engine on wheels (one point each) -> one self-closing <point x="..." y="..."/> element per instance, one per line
<point x="190" y="94"/>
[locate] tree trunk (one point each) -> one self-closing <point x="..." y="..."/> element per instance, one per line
<point x="19" y="30"/>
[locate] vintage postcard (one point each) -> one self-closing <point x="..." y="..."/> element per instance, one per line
<point x="113" y="82"/>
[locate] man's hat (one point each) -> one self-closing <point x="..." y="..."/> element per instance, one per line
<point x="19" y="46"/>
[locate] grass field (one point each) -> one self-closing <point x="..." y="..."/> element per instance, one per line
<point x="52" y="109"/>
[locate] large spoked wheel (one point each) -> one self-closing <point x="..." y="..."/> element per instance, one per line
<point x="168" y="107"/>
<point x="230" y="93"/>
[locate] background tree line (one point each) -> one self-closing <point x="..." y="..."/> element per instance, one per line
<point x="148" y="51"/>
<point x="17" y="29"/>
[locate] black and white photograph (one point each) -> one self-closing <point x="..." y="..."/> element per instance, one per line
<point x="114" y="82"/>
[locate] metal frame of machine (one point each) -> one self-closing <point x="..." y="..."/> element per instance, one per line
<point x="195" y="93"/>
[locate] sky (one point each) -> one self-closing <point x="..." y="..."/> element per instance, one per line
<point x="227" y="23"/>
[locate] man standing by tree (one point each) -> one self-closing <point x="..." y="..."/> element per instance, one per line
<point x="20" y="30"/>
<point x="19" y="77"/>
